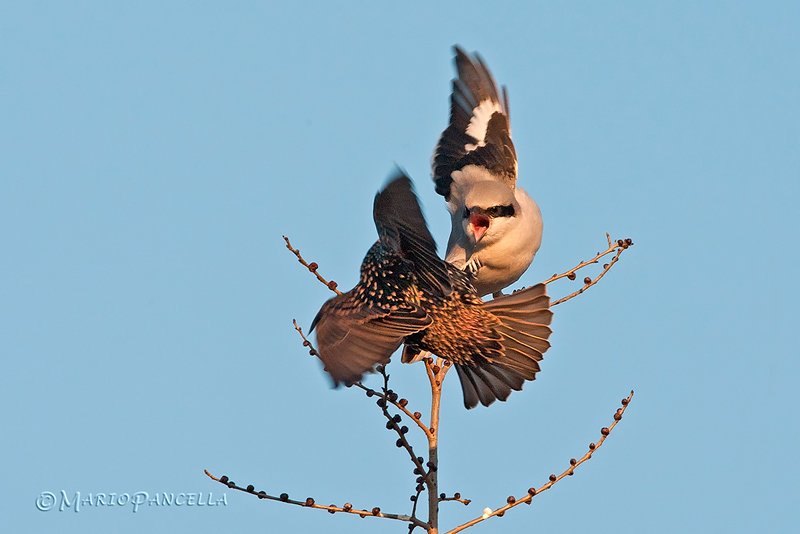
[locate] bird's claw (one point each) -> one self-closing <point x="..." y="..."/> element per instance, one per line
<point x="473" y="266"/>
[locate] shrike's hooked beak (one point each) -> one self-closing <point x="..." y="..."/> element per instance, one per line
<point x="478" y="223"/>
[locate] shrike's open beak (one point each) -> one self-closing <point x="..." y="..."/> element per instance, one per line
<point x="479" y="223"/>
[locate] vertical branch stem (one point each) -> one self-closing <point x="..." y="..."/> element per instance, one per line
<point x="433" y="458"/>
<point x="436" y="372"/>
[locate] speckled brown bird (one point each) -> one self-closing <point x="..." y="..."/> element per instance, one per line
<point x="408" y="295"/>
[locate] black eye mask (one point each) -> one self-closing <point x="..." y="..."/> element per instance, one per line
<point x="493" y="212"/>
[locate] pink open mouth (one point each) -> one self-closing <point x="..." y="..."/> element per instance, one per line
<point x="479" y="224"/>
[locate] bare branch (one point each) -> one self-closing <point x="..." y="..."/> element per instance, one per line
<point x="310" y="503"/>
<point x="415" y="500"/>
<point x="613" y="246"/>
<point x="312" y="267"/>
<point x="399" y="404"/>
<point x="512" y="502"/>
<point x="456" y="497"/>
<point x="393" y="424"/>
<point x="306" y="343"/>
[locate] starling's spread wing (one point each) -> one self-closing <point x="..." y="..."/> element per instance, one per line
<point x="524" y="318"/>
<point x="352" y="340"/>
<point x="402" y="228"/>
<point x="479" y="132"/>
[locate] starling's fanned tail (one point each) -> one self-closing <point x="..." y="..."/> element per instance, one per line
<point x="524" y="318"/>
<point x="486" y="382"/>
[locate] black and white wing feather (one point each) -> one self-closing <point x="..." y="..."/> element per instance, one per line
<point x="479" y="132"/>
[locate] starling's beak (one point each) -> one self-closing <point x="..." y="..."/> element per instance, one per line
<point x="479" y="223"/>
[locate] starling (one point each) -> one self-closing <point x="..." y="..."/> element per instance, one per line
<point x="496" y="226"/>
<point x="408" y="295"/>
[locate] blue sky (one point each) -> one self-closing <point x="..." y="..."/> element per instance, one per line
<point x="152" y="155"/>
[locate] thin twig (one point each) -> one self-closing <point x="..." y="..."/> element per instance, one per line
<point x="415" y="498"/>
<point x="392" y="423"/>
<point x="588" y="282"/>
<point x="312" y="267"/>
<point x="306" y="343"/>
<point x="397" y="404"/>
<point x="456" y="497"/>
<point x="512" y="502"/>
<point x="310" y="503"/>
<point x="613" y="246"/>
